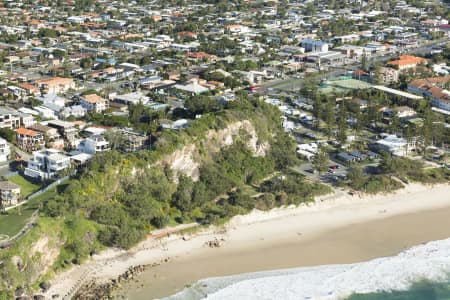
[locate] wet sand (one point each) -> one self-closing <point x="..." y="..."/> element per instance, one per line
<point x="348" y="244"/>
<point x="337" y="228"/>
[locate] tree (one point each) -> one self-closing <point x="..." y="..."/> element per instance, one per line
<point x="317" y="110"/>
<point x="8" y="134"/>
<point x="86" y="63"/>
<point x="115" y="138"/>
<point x="136" y="112"/>
<point x="394" y="125"/>
<point x="427" y="128"/>
<point x="364" y="62"/>
<point x="330" y="116"/>
<point x="342" y="124"/>
<point x="201" y="105"/>
<point x="320" y="161"/>
<point x="182" y="198"/>
<point x="377" y="75"/>
<point x="356" y="176"/>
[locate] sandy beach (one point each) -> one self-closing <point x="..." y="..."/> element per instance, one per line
<point x="336" y="229"/>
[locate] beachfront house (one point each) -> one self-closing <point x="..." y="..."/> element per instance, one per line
<point x="47" y="164"/>
<point x="94" y="144"/>
<point x="395" y="145"/>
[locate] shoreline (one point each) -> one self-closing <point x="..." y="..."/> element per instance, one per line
<point x="253" y="232"/>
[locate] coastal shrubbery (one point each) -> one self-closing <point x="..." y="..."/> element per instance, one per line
<point x="393" y="172"/>
<point x="119" y="198"/>
<point x="290" y="188"/>
<point x="373" y="183"/>
<point x="127" y="198"/>
<point x="412" y="170"/>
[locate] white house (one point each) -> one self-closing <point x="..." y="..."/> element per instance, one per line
<point x="94" y="144"/>
<point x="46" y="164"/>
<point x="53" y="102"/>
<point x="395" y="145"/>
<point x="9" y="193"/>
<point x="311" y="45"/>
<point x="94" y="103"/>
<point x="55" y="85"/>
<point x="131" y="98"/>
<point x="4" y="150"/>
<point x="77" y="111"/>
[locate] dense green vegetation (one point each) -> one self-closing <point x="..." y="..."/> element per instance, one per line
<point x="118" y="198"/>
<point x="413" y="170"/>
<point x="127" y="206"/>
<point x="393" y="172"/>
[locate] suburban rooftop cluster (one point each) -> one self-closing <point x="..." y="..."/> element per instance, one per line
<point x="81" y="77"/>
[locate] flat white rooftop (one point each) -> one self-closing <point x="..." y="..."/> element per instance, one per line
<point x="397" y="92"/>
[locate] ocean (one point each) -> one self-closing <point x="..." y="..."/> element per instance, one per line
<point x="421" y="272"/>
<point x="423" y="290"/>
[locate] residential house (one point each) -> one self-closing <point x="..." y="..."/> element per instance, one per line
<point x="395" y="145"/>
<point x="47" y="164"/>
<point x="29" y="89"/>
<point x="55" y="85"/>
<point x="404" y="112"/>
<point x="388" y="75"/>
<point x="67" y="130"/>
<point x="311" y="45"/>
<point x="94" y="144"/>
<point x="237" y="28"/>
<point x="76" y="111"/>
<point x="4" y="150"/>
<point x="51" y="136"/>
<point x="433" y="88"/>
<point x="346" y="158"/>
<point x="9" y="118"/>
<point x="53" y="102"/>
<point x="133" y="141"/>
<point x="9" y="193"/>
<point x="131" y="98"/>
<point x="407" y="62"/>
<point x="193" y="88"/>
<point x="29" y="140"/>
<point x="94" y="103"/>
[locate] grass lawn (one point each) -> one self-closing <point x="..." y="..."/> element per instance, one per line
<point x="26" y="187"/>
<point x="12" y="222"/>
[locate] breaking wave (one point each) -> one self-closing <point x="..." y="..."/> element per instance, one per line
<point x="426" y="263"/>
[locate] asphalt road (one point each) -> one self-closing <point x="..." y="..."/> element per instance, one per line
<point x="293" y="83"/>
<point x="307" y="169"/>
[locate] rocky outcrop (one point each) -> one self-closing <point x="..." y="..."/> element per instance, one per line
<point x="102" y="291"/>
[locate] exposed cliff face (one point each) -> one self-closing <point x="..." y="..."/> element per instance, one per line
<point x="186" y="161"/>
<point x="43" y="255"/>
<point x="183" y="162"/>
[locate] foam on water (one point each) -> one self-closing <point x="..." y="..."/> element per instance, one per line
<point x="428" y="261"/>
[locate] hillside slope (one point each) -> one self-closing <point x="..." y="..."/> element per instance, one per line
<point x="206" y="173"/>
